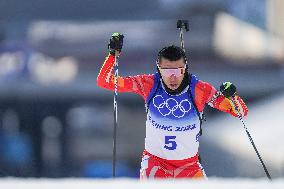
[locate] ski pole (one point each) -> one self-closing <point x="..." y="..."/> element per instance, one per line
<point x="182" y="24"/>
<point x="250" y="138"/>
<point x="115" y="113"/>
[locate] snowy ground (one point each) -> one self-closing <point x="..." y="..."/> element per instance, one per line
<point x="216" y="183"/>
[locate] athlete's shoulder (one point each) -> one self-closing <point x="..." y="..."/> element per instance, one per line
<point x="145" y="83"/>
<point x="146" y="78"/>
<point x="197" y="83"/>
<point x="204" y="89"/>
<point x="203" y="86"/>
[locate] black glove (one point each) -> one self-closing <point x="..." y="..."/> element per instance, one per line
<point x="115" y="43"/>
<point x="228" y="89"/>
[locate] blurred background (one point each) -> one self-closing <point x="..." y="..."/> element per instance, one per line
<point x="55" y="122"/>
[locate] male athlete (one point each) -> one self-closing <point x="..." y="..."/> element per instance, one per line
<point x="174" y="102"/>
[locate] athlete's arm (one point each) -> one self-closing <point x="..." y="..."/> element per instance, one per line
<point x="207" y="94"/>
<point x="140" y="84"/>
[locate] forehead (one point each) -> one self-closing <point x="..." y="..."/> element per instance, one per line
<point x="165" y="63"/>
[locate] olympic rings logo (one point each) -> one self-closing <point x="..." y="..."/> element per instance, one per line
<point x="171" y="106"/>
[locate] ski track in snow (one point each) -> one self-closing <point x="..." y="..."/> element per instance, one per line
<point x="125" y="183"/>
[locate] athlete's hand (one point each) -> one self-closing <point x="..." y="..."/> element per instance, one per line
<point x="228" y="89"/>
<point x="115" y="43"/>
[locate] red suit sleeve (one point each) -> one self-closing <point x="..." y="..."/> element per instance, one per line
<point x="140" y="84"/>
<point x="206" y="93"/>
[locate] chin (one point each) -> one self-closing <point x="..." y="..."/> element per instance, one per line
<point x="173" y="88"/>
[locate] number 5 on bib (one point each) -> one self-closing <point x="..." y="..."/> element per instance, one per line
<point x="170" y="143"/>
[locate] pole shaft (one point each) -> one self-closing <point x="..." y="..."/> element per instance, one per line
<point x="258" y="155"/>
<point x="115" y="116"/>
<point x="181" y="39"/>
<point x="251" y="140"/>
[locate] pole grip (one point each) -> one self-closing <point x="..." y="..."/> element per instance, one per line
<point x="183" y="24"/>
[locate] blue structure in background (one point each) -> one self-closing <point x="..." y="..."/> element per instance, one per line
<point x="103" y="169"/>
<point x="252" y="11"/>
<point x="16" y="149"/>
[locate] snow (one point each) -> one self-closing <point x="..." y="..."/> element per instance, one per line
<point x="213" y="183"/>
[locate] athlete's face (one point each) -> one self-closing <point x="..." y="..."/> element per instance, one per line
<point x="172" y="72"/>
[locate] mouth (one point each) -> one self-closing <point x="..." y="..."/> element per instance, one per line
<point x="173" y="86"/>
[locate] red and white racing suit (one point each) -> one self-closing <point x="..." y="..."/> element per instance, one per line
<point x="172" y="125"/>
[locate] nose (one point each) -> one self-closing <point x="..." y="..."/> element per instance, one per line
<point x="173" y="77"/>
